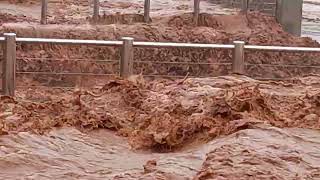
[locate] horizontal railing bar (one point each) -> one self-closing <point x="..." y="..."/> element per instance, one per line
<point x="70" y="74"/>
<point x="50" y="87"/>
<point x="282" y="48"/>
<point x="180" y="45"/>
<point x="60" y="59"/>
<point x="162" y="44"/>
<point x="284" y="65"/>
<point x="173" y="76"/>
<point x="182" y="63"/>
<point x="276" y="79"/>
<point x="70" y="41"/>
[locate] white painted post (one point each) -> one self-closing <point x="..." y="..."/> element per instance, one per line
<point x="126" y="63"/>
<point x="9" y="64"/>
<point x="238" y="57"/>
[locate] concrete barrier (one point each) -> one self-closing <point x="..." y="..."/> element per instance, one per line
<point x="265" y="6"/>
<point x="287" y="12"/>
<point x="289" y="15"/>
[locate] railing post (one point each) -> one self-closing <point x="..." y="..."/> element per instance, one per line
<point x="126" y="63"/>
<point x="44" y="11"/>
<point x="96" y="10"/>
<point x="146" y="16"/>
<point x="9" y="64"/>
<point x="244" y="5"/>
<point x="238" y="58"/>
<point x="278" y="3"/>
<point x="196" y="11"/>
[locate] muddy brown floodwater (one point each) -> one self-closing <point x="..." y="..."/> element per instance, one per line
<point x="258" y="153"/>
<point x="203" y="128"/>
<point x="224" y="127"/>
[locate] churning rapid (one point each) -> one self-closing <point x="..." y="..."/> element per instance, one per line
<point x="224" y="127"/>
<point x="200" y="128"/>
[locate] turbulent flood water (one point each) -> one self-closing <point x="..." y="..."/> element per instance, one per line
<point x="253" y="149"/>
<point x="259" y="152"/>
<point x="69" y="154"/>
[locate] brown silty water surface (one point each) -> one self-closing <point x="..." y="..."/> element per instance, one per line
<point x="228" y="127"/>
<point x="202" y="128"/>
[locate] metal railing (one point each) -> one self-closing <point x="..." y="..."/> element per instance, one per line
<point x="146" y="10"/>
<point x="126" y="61"/>
<point x="281" y="12"/>
<point x="96" y="11"/>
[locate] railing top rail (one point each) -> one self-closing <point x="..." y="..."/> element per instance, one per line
<point x="282" y="48"/>
<point x="181" y="45"/>
<point x="69" y="41"/>
<point x="162" y="44"/>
